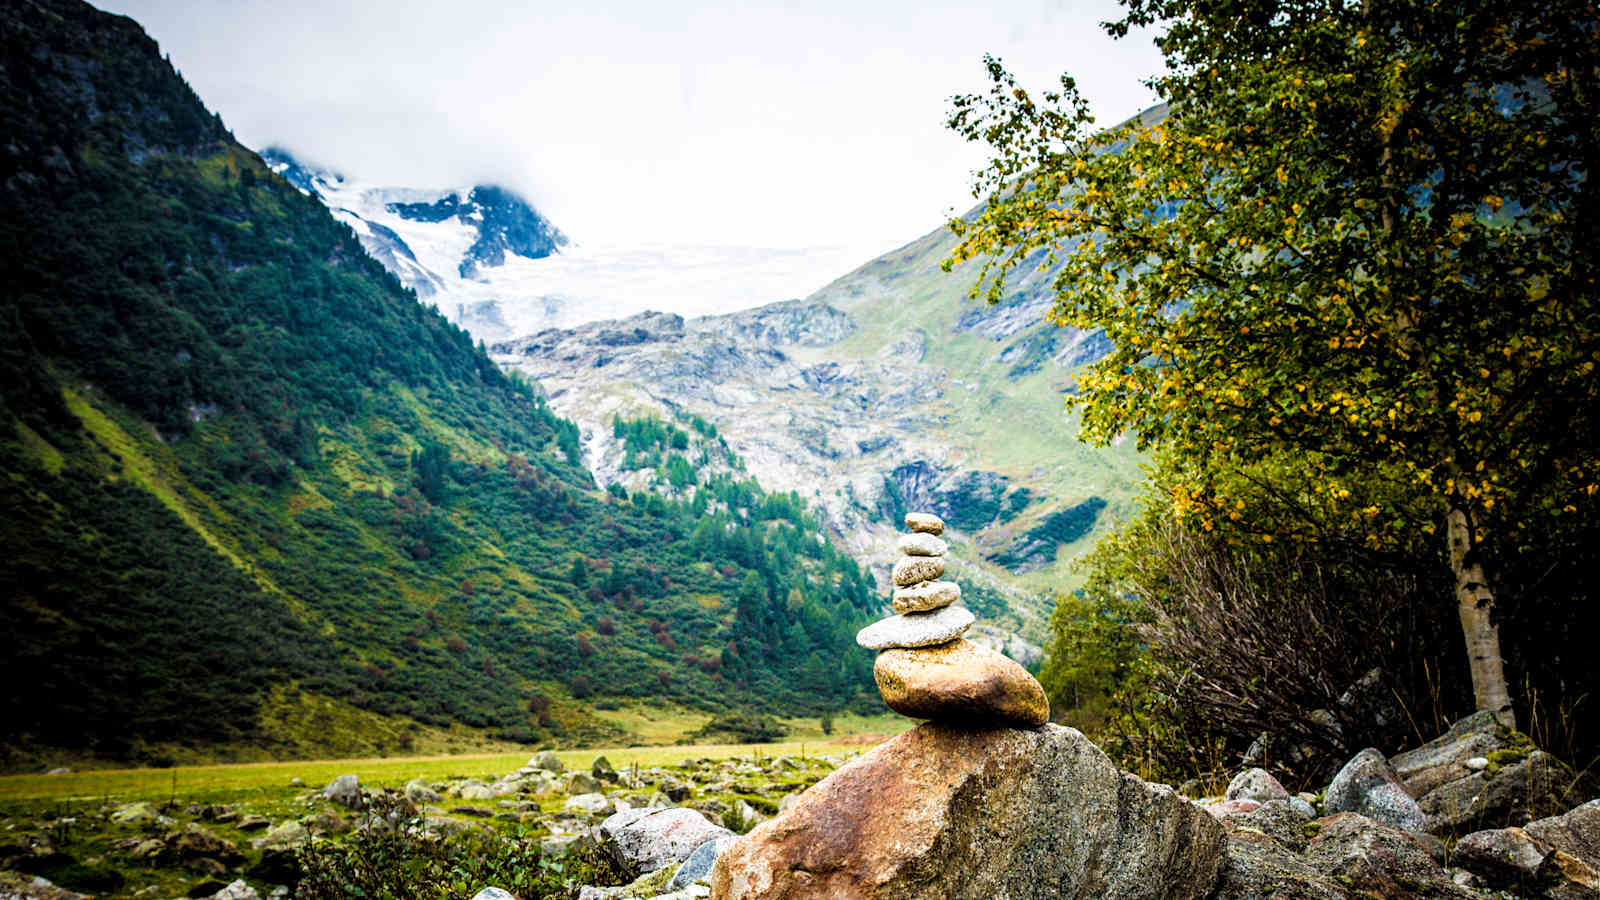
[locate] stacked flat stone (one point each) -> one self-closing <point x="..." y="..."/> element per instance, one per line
<point x="925" y="669"/>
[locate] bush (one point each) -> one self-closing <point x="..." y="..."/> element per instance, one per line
<point x="397" y="859"/>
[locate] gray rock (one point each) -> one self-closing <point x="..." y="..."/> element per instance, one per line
<point x="1378" y="860"/>
<point x="1258" y="867"/>
<point x="59" y="770"/>
<point x="475" y="792"/>
<point x="1303" y="807"/>
<point x="1444" y="759"/>
<point x="644" y="840"/>
<point x="581" y="783"/>
<point x="237" y="890"/>
<point x="493" y="893"/>
<point x="1576" y="832"/>
<point x="928" y="595"/>
<point x="944" y="812"/>
<point x="1277" y="820"/>
<point x="593" y="803"/>
<point x="286" y="835"/>
<point x="925" y="523"/>
<point x="920" y="544"/>
<point x="345" y="791"/>
<point x="916" y="629"/>
<point x="254" y="823"/>
<point x="1257" y="785"/>
<point x="1369" y="786"/>
<point x="548" y="761"/>
<point x="909" y="570"/>
<point x="419" y="791"/>
<point x="1533" y="787"/>
<point x="602" y="770"/>
<point x="698" y="866"/>
<point x="1477" y="763"/>
<point x="1512" y="859"/>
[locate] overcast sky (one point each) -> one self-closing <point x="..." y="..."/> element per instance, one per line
<point x="732" y="124"/>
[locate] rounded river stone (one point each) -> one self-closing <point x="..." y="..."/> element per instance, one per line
<point x="916" y="629"/>
<point x="929" y="595"/>
<point x="960" y="683"/>
<point x="925" y="523"/>
<point x="920" y="544"/>
<point x="911" y="569"/>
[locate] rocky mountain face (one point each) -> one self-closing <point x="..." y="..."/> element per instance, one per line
<point x="459" y="248"/>
<point x="885" y="392"/>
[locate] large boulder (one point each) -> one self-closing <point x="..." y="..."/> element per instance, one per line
<point x="1512" y="859"/>
<point x="645" y="840"/>
<point x="946" y="812"/>
<point x="1258" y="867"/>
<point x="1576" y="832"/>
<point x="1378" y="860"/>
<point x="1513" y="791"/>
<point x="1368" y="785"/>
<point x="1444" y="759"/>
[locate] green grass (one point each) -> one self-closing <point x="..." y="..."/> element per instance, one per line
<point x="263" y="781"/>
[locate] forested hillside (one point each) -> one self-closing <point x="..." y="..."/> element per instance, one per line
<point x="243" y="467"/>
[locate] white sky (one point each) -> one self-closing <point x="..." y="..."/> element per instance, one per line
<point x="728" y="124"/>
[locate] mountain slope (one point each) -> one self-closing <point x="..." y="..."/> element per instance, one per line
<point x="883" y="392"/>
<point x="243" y="467"/>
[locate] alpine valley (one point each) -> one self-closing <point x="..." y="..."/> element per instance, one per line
<point x="258" y="479"/>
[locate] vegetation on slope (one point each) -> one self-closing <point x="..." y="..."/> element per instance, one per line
<point x="239" y="456"/>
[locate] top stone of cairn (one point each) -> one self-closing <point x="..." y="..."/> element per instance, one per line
<point x="925" y="523"/>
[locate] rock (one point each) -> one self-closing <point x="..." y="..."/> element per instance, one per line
<point x="644" y="840"/>
<point x="1576" y="832"/>
<point x="207" y="867"/>
<point x="921" y="544"/>
<point x="1303" y="807"/>
<point x="548" y="761"/>
<point x="1445" y="758"/>
<point x="1511" y="858"/>
<point x="494" y="893"/>
<point x="196" y="842"/>
<point x="443" y="825"/>
<point x="960" y="682"/>
<point x="947" y="812"/>
<point x="698" y="866"/>
<point x="237" y="890"/>
<point x="916" y="629"/>
<point x="1532" y="787"/>
<point x="602" y="770"/>
<point x="581" y="783"/>
<point x="59" y="770"/>
<point x="1378" y="860"/>
<point x="130" y="813"/>
<point x="1257" y="785"/>
<point x="589" y="803"/>
<point x="1477" y="763"/>
<point x="1369" y="786"/>
<point x="909" y="570"/>
<point x="254" y="823"/>
<point x="1257" y="867"/>
<point x="420" y="791"/>
<point x="925" y="523"/>
<point x="1227" y="809"/>
<point x="345" y="791"/>
<point x="928" y="595"/>
<point x="1277" y="820"/>
<point x="475" y="792"/>
<point x="286" y="835"/>
<point x="17" y="886"/>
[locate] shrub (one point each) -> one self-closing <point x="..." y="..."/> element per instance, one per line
<point x="744" y="727"/>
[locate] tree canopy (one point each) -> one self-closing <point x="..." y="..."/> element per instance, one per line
<point x="1354" y="236"/>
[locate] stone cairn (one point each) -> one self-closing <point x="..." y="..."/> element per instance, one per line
<point x="925" y="669"/>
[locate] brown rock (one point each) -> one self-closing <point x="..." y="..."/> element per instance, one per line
<point x="962" y="814"/>
<point x="911" y="569"/>
<point x="960" y="682"/>
<point x="925" y="523"/>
